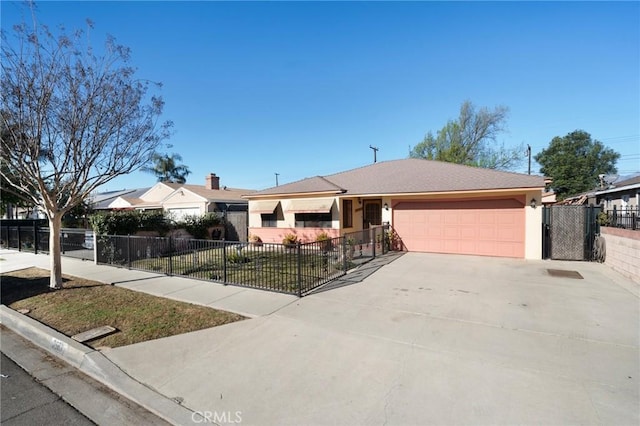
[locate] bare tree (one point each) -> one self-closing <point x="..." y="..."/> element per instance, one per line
<point x="75" y="120"/>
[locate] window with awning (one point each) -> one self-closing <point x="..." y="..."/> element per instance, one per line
<point x="310" y="205"/>
<point x="264" y="206"/>
<point x="312" y="212"/>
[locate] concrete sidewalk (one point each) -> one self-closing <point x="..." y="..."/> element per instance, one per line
<point x="245" y="301"/>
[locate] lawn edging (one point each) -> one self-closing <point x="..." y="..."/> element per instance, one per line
<point x="94" y="364"/>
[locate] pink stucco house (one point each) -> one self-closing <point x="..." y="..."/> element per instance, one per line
<point x="433" y="206"/>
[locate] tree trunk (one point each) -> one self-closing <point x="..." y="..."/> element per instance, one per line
<point x="55" y="226"/>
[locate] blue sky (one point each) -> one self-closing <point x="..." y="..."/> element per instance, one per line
<point x="303" y="88"/>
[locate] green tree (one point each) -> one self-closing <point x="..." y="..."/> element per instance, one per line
<point x="471" y="139"/>
<point x="167" y="168"/>
<point x="574" y="163"/>
<point x="76" y="120"/>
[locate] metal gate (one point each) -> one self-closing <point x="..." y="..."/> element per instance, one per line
<point x="568" y="232"/>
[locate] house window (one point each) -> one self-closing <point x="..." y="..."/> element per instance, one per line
<point x="347" y="213"/>
<point x="313" y="220"/>
<point x="269" y="220"/>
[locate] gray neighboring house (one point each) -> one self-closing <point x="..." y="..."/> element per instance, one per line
<point x="102" y="200"/>
<point x="621" y="195"/>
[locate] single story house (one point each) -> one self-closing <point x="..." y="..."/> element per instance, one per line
<point x="181" y="200"/>
<point x="433" y="207"/>
<point x="622" y="195"/>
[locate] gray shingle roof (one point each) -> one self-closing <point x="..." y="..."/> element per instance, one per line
<point x="630" y="181"/>
<point x="408" y="176"/>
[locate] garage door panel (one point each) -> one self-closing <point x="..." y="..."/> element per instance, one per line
<point x="467" y="232"/>
<point x="507" y="235"/>
<point x="487" y="218"/>
<point x="486" y="233"/>
<point x="481" y="227"/>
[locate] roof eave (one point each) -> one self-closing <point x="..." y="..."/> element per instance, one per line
<point x="293" y="194"/>
<point x="456" y="192"/>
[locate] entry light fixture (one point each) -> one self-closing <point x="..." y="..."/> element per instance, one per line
<point x="533" y="203"/>
<point x="386" y="206"/>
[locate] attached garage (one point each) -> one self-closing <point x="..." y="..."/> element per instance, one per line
<point x="486" y="227"/>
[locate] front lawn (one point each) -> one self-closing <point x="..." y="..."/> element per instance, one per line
<point x="83" y="304"/>
<point x="263" y="267"/>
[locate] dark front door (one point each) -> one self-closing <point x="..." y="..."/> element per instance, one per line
<point x="372" y="213"/>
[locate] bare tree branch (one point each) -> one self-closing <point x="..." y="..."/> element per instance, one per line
<point x="72" y="121"/>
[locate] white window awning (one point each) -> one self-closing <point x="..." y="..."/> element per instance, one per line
<point x="310" y="205"/>
<point x="264" y="206"/>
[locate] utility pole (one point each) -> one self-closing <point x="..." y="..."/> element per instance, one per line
<point x="529" y="155"/>
<point x="375" y="151"/>
<point x="277" y="174"/>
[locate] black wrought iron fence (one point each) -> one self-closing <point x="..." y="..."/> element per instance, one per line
<point x="295" y="269"/>
<point x="32" y="238"/>
<point x="623" y="217"/>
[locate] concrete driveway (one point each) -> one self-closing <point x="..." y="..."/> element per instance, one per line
<point x="427" y="339"/>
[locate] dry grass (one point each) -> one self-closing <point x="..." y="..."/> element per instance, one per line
<point x="83" y="304"/>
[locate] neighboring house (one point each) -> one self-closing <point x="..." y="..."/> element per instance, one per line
<point x="548" y="198"/>
<point x="433" y="206"/>
<point x="145" y="198"/>
<point x="622" y="195"/>
<point x="180" y="200"/>
<point x="189" y="200"/>
<point x="105" y="200"/>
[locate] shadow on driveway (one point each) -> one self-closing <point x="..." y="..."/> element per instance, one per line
<point x="360" y="273"/>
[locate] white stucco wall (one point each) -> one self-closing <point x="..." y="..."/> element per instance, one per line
<point x="533" y="226"/>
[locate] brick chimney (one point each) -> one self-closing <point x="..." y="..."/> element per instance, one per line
<point x="212" y="181"/>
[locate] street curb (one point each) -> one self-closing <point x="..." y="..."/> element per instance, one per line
<point x="94" y="364"/>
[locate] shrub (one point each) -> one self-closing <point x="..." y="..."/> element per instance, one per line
<point x="198" y="226"/>
<point x="323" y="237"/>
<point x="290" y="239"/>
<point x="128" y="222"/>
<point x="603" y="219"/>
<point x="393" y="240"/>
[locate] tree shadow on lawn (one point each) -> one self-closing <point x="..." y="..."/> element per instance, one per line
<point x="26" y="283"/>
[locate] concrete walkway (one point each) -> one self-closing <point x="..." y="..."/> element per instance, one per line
<point x="426" y="339"/>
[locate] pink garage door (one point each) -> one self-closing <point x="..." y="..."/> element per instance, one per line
<point x="479" y="227"/>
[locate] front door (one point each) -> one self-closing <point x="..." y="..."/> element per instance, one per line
<point x="372" y="213"/>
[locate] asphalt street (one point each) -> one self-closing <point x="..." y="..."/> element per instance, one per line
<point x="27" y="402"/>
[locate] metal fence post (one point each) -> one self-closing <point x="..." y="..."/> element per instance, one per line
<point x="129" y="251"/>
<point x="345" y="264"/>
<point x="299" y="254"/>
<point x="374" y="243"/>
<point x="170" y="272"/>
<point x="224" y="262"/>
<point x="35" y="237"/>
